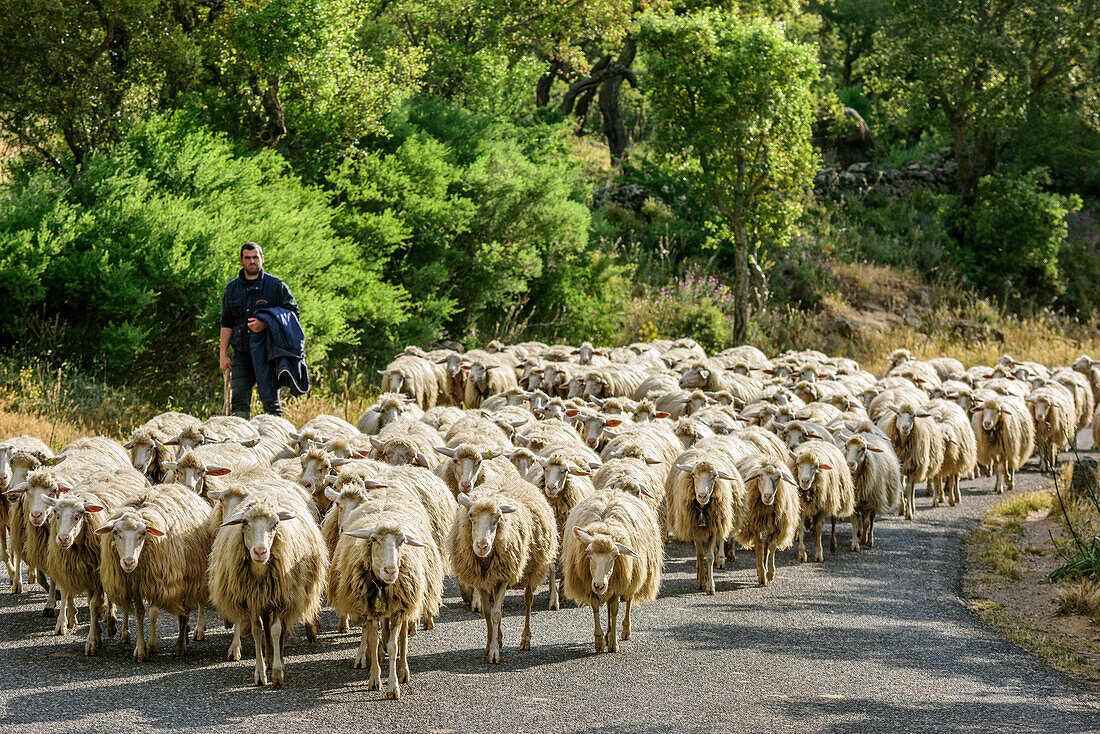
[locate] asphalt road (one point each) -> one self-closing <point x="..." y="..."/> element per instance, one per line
<point x="876" y="641"/>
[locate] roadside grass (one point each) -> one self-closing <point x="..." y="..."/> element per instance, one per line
<point x="995" y="552"/>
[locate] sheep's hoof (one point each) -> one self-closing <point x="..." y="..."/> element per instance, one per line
<point x="403" y="674"/>
<point x="554" y="606"/>
<point x="342" y="626"/>
<point x="599" y="643"/>
<point x="494" y="657"/>
<point x="200" y="634"/>
<point x="855" y="547"/>
<point x="311" y="631"/>
<point x="374" y="684"/>
<point x="91" y="648"/>
<point x="233" y="654"/>
<point x="181" y="649"/>
<point x="139" y="657"/>
<point x="17" y="587"/>
<point x="525" y="643"/>
<point x="277" y="677"/>
<point x="720" y="563"/>
<point x="125" y="637"/>
<point x="819" y="558"/>
<point x="49" y="613"/>
<point x="260" y="679"/>
<point x="393" y="693"/>
<point x="802" y="557"/>
<point x="428" y="623"/>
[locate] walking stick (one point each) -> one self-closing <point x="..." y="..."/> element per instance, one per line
<point x="227" y="405"/>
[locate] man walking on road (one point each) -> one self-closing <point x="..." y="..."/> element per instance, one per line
<point x="251" y="291"/>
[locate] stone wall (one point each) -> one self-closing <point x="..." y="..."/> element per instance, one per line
<point x="938" y="172"/>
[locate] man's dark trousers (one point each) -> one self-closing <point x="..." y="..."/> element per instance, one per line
<point x="252" y="368"/>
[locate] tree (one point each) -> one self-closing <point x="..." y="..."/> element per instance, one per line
<point x="985" y="67"/>
<point x="732" y="106"/>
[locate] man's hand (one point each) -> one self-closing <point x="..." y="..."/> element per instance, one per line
<point x="256" y="325"/>
<point x="224" y="363"/>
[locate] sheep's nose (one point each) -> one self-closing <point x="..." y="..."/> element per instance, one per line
<point x="481" y="547"/>
<point x="464" y="486"/>
<point x="591" y="442"/>
<point x="701" y="498"/>
<point x="851" y="465"/>
<point x="128" y="564"/>
<point x="599" y="587"/>
<point x="389" y="571"/>
<point x="987" y="425"/>
<point x="37" y="518"/>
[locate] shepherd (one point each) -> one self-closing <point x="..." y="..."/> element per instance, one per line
<point x="260" y="320"/>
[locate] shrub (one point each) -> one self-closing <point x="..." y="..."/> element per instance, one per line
<point x="130" y="257"/>
<point x="696" y="305"/>
<point x="1009" y="237"/>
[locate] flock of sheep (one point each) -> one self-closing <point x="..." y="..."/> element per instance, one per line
<point x="508" y="467"/>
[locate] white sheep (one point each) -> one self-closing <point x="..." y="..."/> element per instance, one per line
<point x="824" y="490"/>
<point x="706" y="504"/>
<point x="1005" y="436"/>
<point x="413" y="376"/>
<point x="918" y="444"/>
<point x="876" y="482"/>
<point x="388" y="408"/>
<point x="268" y="567"/>
<point x="19" y="456"/>
<point x="146" y="444"/>
<point x="959" y="450"/>
<point x="505" y="538"/>
<point x="612" y="549"/>
<point x="772" y="511"/>
<point x="154" y="548"/>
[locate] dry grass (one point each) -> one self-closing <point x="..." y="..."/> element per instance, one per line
<point x="56" y="432"/>
<point x="1080" y="597"/>
<point x="995" y="544"/>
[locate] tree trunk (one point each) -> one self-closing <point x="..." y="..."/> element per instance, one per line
<point x="546" y="81"/>
<point x="740" y="282"/>
<point x="614" y="129"/>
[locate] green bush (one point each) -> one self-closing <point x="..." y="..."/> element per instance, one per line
<point x="1079" y="264"/>
<point x="696" y="305"/>
<point x="1009" y="237"/>
<point x="130" y="256"/>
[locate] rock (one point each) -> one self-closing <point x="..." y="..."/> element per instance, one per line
<point x="863" y="167"/>
<point x="977" y="330"/>
<point x="1084" y="478"/>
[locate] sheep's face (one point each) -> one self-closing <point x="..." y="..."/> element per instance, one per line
<point x="1040" y="408"/>
<point x="555" y="475"/>
<point x="767" y="478"/>
<point x="554" y="411"/>
<point x="258" y="531"/>
<point x="387" y="547"/>
<point x="807" y="470"/>
<point x="575" y="387"/>
<point x="696" y="402"/>
<point x="703" y="478"/>
<point x="189" y="439"/>
<point x="855" y="452"/>
<point x="397" y="380"/>
<point x="22" y="464"/>
<point x="69" y="513"/>
<point x="603" y="552"/>
<point x="807" y="392"/>
<point x="898" y="358"/>
<point x="694" y="377"/>
<point x="594" y="387"/>
<point x="390" y="411"/>
<point x="396" y="452"/>
<point x="585" y="353"/>
<point x="484" y="524"/>
<point x="315" y="467"/>
<point x="991" y="415"/>
<point x="904" y="421"/>
<point x="128" y="535"/>
<point x="794" y="435"/>
<point x="522" y="460"/>
<point x="39" y="490"/>
<point x="143" y="454"/>
<point x="467" y="470"/>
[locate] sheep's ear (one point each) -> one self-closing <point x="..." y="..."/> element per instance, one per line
<point x="611" y="434"/>
<point x="1005" y="411"/>
<point x="217" y="471"/>
<point x="372" y="484"/>
<point x="723" y="475"/>
<point x="364" y="533"/>
<point x="466" y="367"/>
<point x="412" y="540"/>
<point x="89" y="507"/>
<point x="376" y="443"/>
<point x="824" y="467"/>
<point x="331" y="494"/>
<point x="489" y="454"/>
<point x="893" y="408"/>
<point x="63" y="488"/>
<point x="923" y="414"/>
<point x="626" y="550"/>
<point x="683" y="467"/>
<point x="360" y="454"/>
<point x="339" y="462"/>
<point x="445" y="451"/>
<point x="598" y="401"/>
<point x="579" y="472"/>
<point x="217" y="494"/>
<point x="507" y="509"/>
<point x="51" y="501"/>
<point x="54" y="460"/>
<point x="464" y="500"/>
<point x="662" y="415"/>
<point x="128" y="445"/>
<point x="382" y="372"/>
<point x="236" y="519"/>
<point x="754" y="474"/>
<point x="284" y="515"/>
<point x="105" y="528"/>
<point x="613" y="422"/>
<point x="420" y="460"/>
<point x="154" y="532"/>
<point x="17" y="489"/>
<point x="651" y="461"/>
<point x="249" y="443"/>
<point x="594" y="465"/>
<point x="175" y="441"/>
<point x="644" y="490"/>
<point x="872" y="449"/>
<point x="581" y="535"/>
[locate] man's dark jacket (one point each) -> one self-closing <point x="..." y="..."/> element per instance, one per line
<point x="285" y="347"/>
<point x="244" y="297"/>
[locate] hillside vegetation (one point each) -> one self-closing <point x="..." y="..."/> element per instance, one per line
<point x="846" y="175"/>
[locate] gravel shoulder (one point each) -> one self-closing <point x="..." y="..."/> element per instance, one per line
<point x="873" y="641"/>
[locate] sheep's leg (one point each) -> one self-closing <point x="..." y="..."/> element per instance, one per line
<point x="476" y="603"/>
<point x="342" y="624"/>
<point x="800" y="532"/>
<point x="467" y="594"/>
<point x="124" y="634"/>
<point x="200" y="623"/>
<point x="45" y="582"/>
<point x="720" y="554"/>
<point x="709" y="565"/>
<point x="955" y="493"/>
<point x="403" y="653"/>
<point x="612" y="639"/>
<point x="260" y="677"/>
<point x="910" y="498"/>
<point x="9" y="557"/>
<point x="819" y="527"/>
<point x="361" y="658"/>
<point x="235" y="646"/>
<point x="427" y="622"/>
<point x="937" y="492"/>
<point x="699" y="564"/>
<point x="869" y="530"/>
<point x="370" y="632"/>
<point x="181" y="639"/>
<point x="277" y="631"/>
<point x="626" y="621"/>
<point x="393" y="688"/>
<point x="109" y="616"/>
<point x="487" y="612"/>
<point x="832" y="535"/>
<point x="857" y="530"/>
<point x="61" y="627"/>
<point x="760" y="563"/>
<point x="17" y="579"/>
<point x="152" y="641"/>
<point x="139" y="622"/>
<point x="1010" y="476"/>
<point x="771" y="561"/>
<point x="95" y="604"/>
<point x="51" y="599"/>
<point x="528" y="600"/>
<point x="598" y="631"/>
<point x="997" y="471"/>
<point x="554" y="603"/>
<point x="496" y="637"/>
